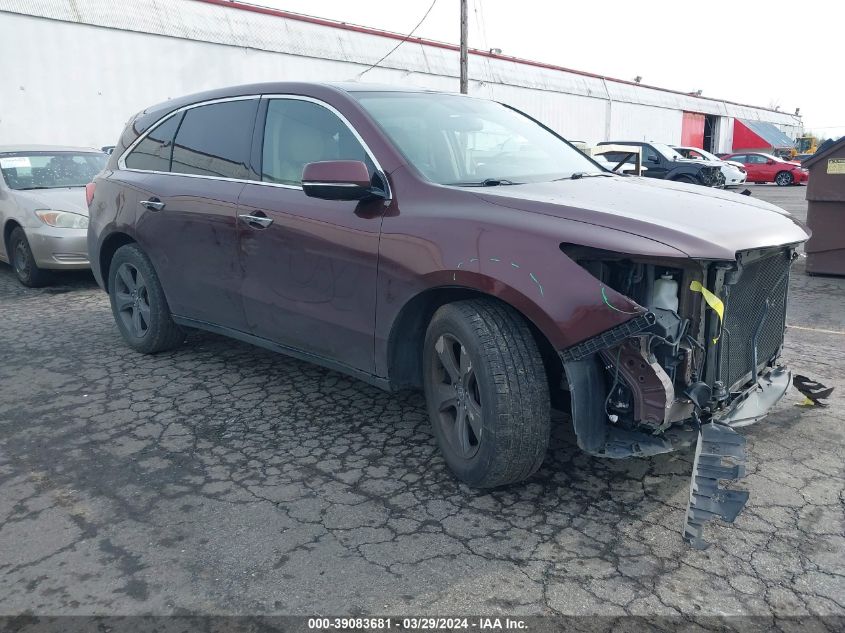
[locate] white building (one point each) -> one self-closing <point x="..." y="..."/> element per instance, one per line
<point x="73" y="72"/>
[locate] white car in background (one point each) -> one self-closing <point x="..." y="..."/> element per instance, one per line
<point x="43" y="211"/>
<point x="733" y="171"/>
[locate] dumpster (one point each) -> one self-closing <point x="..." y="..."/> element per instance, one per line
<point x="826" y="210"/>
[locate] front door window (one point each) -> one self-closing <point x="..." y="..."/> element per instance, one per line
<point x="299" y="132"/>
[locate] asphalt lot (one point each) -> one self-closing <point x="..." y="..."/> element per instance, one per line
<point x="221" y="478"/>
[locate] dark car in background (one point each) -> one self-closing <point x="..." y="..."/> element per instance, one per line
<point x="665" y="163"/>
<point x="437" y="241"/>
<point x="762" y="168"/>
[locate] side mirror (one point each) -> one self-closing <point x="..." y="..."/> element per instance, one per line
<point x="338" y="180"/>
<point x="770" y="162"/>
<point x="653" y="159"/>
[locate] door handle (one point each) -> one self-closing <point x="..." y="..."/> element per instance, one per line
<point x="153" y="204"/>
<point x="256" y="221"/>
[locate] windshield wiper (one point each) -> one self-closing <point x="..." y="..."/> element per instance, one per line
<point x="583" y="174"/>
<point x="488" y="182"/>
<point x="43" y="187"/>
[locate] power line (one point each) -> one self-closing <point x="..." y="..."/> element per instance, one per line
<point x="402" y="41"/>
<point x="479" y="20"/>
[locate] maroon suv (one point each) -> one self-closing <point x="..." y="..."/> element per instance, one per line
<point x="419" y="239"/>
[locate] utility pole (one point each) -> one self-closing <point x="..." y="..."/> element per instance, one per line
<point x="464" y="50"/>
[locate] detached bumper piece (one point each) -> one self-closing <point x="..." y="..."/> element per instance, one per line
<point x="706" y="499"/>
<point x="756" y="402"/>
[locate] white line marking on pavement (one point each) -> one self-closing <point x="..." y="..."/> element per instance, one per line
<point x="813" y="329"/>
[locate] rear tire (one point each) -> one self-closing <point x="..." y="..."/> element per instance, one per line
<point x="783" y="179"/>
<point x="138" y="303"/>
<point x="23" y="261"/>
<point x="486" y="392"/>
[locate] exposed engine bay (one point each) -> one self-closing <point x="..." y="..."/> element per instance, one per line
<point x="697" y="359"/>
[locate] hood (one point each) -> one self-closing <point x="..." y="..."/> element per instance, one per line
<point x="61" y="199"/>
<point x="702" y="222"/>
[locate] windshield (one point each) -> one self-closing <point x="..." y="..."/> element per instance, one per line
<point x="667" y="151"/>
<point x="465" y="141"/>
<point x="695" y="153"/>
<point x="50" y="170"/>
<point x="707" y="155"/>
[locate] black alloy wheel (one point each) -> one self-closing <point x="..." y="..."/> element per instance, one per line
<point x="132" y="300"/>
<point x="138" y="303"/>
<point x="459" y="399"/>
<point x="486" y="392"/>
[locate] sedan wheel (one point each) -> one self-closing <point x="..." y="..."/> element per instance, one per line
<point x="783" y="179"/>
<point x="23" y="261"/>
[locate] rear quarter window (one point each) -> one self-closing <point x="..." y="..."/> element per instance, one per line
<point x="153" y="152"/>
<point x="615" y="157"/>
<point x="215" y="140"/>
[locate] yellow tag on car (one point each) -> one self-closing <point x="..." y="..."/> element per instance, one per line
<point x="713" y="301"/>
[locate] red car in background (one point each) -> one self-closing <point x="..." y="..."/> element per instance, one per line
<point x="763" y="167"/>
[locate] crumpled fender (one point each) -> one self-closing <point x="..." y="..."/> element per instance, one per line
<point x="515" y="257"/>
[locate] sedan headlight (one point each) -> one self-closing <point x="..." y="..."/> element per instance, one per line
<point x="62" y="219"/>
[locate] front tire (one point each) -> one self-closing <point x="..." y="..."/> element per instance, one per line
<point x="486" y="393"/>
<point x="783" y="179"/>
<point x="138" y="303"/>
<point x="686" y="179"/>
<point x="23" y="261"/>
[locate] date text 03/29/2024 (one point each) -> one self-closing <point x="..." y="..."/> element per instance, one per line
<point x="419" y="623"/>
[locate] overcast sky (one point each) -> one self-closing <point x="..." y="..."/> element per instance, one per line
<point x="778" y="52"/>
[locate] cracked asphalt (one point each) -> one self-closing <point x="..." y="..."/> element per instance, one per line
<point x="221" y="478"/>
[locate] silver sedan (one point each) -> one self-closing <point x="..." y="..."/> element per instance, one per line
<point x="43" y="210"/>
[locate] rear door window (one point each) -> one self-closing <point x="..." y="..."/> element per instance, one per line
<point x="153" y="152"/>
<point x="215" y="140"/>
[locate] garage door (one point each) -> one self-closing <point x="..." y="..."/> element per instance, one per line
<point x="692" y="130"/>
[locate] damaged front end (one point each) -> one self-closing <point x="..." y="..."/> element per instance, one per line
<point x="697" y="359"/>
